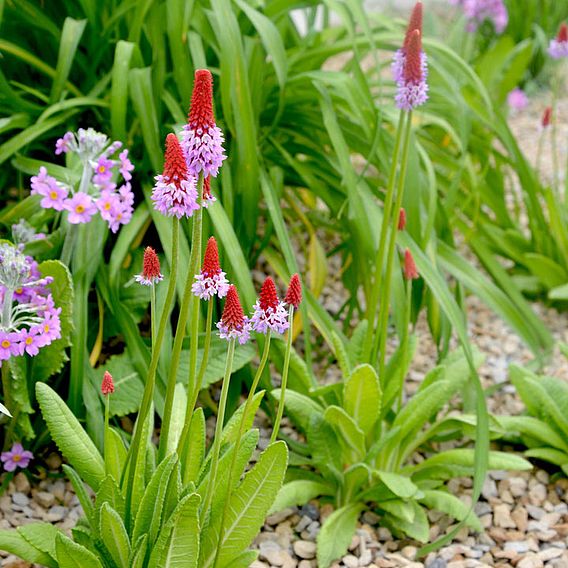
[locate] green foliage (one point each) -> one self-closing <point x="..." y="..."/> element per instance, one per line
<point x="545" y="430"/>
<point x="361" y="454"/>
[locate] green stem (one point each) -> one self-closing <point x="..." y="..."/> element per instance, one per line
<point x="376" y="278"/>
<point x="240" y="433"/>
<point x="556" y="178"/>
<point x="381" y="338"/>
<point x="186" y="303"/>
<point x="404" y="338"/>
<point x="285" y="370"/>
<point x="151" y="378"/>
<point x="69" y="244"/>
<point x="153" y="313"/>
<point x="8" y="403"/>
<point x="107" y="434"/>
<point x="216" y="449"/>
<point x="206" y="343"/>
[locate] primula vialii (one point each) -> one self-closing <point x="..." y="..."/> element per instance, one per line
<point x="558" y="47"/>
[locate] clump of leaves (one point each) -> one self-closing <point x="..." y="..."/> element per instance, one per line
<point x="545" y="430"/>
<point x="361" y="449"/>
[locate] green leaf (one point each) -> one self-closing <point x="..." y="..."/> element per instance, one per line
<point x="70" y="437"/>
<point x="70" y="37"/>
<point x="149" y="516"/>
<point x="51" y="358"/>
<point x="299" y="407"/>
<point x="80" y="491"/>
<point x="534" y="428"/>
<point x="73" y="555"/>
<point x="298" y="492"/>
<point x="362" y="397"/>
<point x="178" y="543"/>
<point x="196" y="446"/>
<point x="548" y="454"/>
<point x="346" y="429"/>
<point x="13" y="542"/>
<point x="114" y="535"/>
<point x="452" y="506"/>
<point x="418" y="528"/>
<point x="250" y="503"/>
<point x="139" y="553"/>
<point x="400" y="485"/>
<point x="115" y="453"/>
<point x="119" y="89"/>
<point x="336" y="534"/>
<point x="42" y="536"/>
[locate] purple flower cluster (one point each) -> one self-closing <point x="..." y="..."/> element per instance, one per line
<point x="273" y="319"/>
<point x="558" y="47"/>
<point x="517" y="99"/>
<point x="16" y="457"/>
<point x="98" y="191"/>
<point x="410" y="94"/>
<point x="203" y="149"/>
<point x="29" y="319"/>
<point x="477" y="11"/>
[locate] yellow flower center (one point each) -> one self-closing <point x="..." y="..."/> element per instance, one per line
<point x="79" y="208"/>
<point x="53" y="195"/>
<point x="29" y="340"/>
<point x="107" y="206"/>
<point x="6" y="344"/>
<point x="19" y="291"/>
<point x="102" y="169"/>
<point x="46" y="328"/>
<point x="16" y="458"/>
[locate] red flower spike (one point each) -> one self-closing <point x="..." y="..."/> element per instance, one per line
<point x="201" y="107"/>
<point x="294" y="293"/>
<point x="562" y="33"/>
<point x="233" y="316"/>
<point x="410" y="270"/>
<point x="413" y="68"/>
<point x="175" y="167"/>
<point x="151" y="264"/>
<point x="546" y="117"/>
<point x="211" y="264"/>
<point x="107" y="386"/>
<point x="268" y="297"/>
<point x="401" y="219"/>
<point x="415" y="23"/>
<point x="207" y="188"/>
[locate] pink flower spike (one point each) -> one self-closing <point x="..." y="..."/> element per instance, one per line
<point x="107" y="385"/>
<point x="81" y="208"/>
<point x="402" y="219"/>
<point x="16" y="457"/>
<point x="558" y="47"/>
<point x="547" y="117"/>
<point x="294" y="293"/>
<point x="212" y="280"/>
<point x="126" y="165"/>
<point x="410" y="270"/>
<point x="234" y="324"/>
<point x="269" y="312"/>
<point x="150" y="268"/>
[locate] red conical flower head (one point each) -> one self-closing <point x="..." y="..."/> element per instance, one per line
<point x="107" y="386"/>
<point x="546" y="117"/>
<point x="151" y="264"/>
<point x="415" y="23"/>
<point x="294" y="293"/>
<point x="211" y="264"/>
<point x="175" y="167"/>
<point x="413" y="67"/>
<point x="401" y="219"/>
<point x="233" y="316"/>
<point x="201" y="107"/>
<point x="268" y="297"/>
<point x="410" y="270"/>
<point x="562" y="33"/>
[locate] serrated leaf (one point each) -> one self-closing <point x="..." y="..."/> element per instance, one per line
<point x="336" y="534"/>
<point x="114" y="536"/>
<point x="250" y="503"/>
<point x="418" y="528"/>
<point x="139" y="553"/>
<point x="341" y="354"/>
<point x="362" y="397"/>
<point x="73" y="555"/>
<point x="42" y="536"/>
<point x="13" y="542"/>
<point x="80" y="491"/>
<point x="196" y="446"/>
<point x="348" y="432"/>
<point x="178" y="542"/>
<point x="115" y="453"/>
<point x="400" y="485"/>
<point x="70" y="437"/>
<point x="452" y="506"/>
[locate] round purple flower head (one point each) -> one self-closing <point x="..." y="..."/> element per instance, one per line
<point x="477" y="11"/>
<point x="269" y="312"/>
<point x="211" y="281"/>
<point x="517" y="99"/>
<point x="202" y="139"/>
<point x="175" y="192"/>
<point x="16" y="457"/>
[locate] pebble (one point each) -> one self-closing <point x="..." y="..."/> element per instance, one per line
<point x="20" y="499"/>
<point x="45" y="499"/>
<point x="22" y="483"/>
<point x="350" y="561"/>
<point x="502" y="516"/>
<point x="305" y="549"/>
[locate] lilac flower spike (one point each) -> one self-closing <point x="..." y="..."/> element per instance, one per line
<point x="175" y="192"/>
<point x="16" y="457"/>
<point x="558" y="47"/>
<point x="212" y="280"/>
<point x="412" y="88"/>
<point x="202" y="139"/>
<point x="269" y="312"/>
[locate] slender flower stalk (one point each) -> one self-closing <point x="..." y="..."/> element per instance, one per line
<point x="148" y="395"/>
<point x="293" y="299"/>
<point x="381" y="337"/>
<point x="107" y="388"/>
